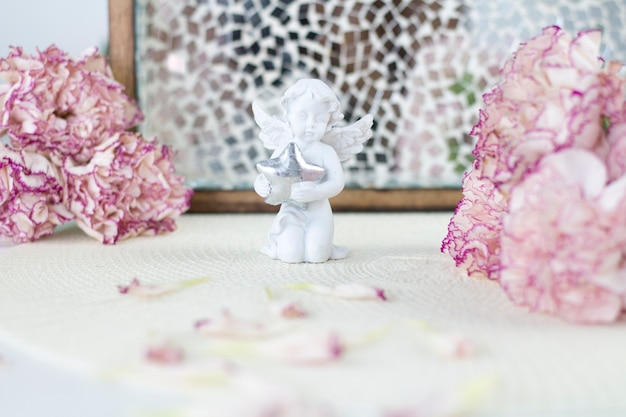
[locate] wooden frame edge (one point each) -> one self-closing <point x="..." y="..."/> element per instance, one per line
<point x="122" y="60"/>
<point x="122" y="44"/>
<point x="423" y="199"/>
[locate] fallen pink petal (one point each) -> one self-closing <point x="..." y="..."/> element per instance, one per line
<point x="227" y="325"/>
<point x="445" y="343"/>
<point x="288" y="309"/>
<point x="259" y="396"/>
<point x="285" y="308"/>
<point x="450" y="345"/>
<point x="451" y="401"/>
<point x="350" y="291"/>
<point x="165" y="354"/>
<point x="143" y="290"/>
<point x="306" y="347"/>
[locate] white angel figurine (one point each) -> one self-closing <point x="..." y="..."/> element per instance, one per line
<point x="305" y="170"/>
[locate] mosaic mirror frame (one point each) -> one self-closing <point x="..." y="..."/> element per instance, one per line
<point x="419" y="66"/>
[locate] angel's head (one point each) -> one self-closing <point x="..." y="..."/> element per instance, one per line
<point x="311" y="109"/>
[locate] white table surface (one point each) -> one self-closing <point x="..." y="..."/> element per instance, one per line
<point x="66" y="332"/>
<point x="30" y="386"/>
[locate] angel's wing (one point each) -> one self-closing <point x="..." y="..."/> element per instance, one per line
<point x="273" y="129"/>
<point x="348" y="141"/>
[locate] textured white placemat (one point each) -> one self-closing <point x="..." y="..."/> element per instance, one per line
<point x="59" y="300"/>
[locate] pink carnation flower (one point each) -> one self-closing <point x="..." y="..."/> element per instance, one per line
<point x="473" y="237"/>
<point x="562" y="246"/>
<point x="614" y="122"/>
<point x="58" y="106"/>
<point x="128" y="188"/>
<point x="552" y="97"/>
<point x="30" y="196"/>
<point x="616" y="159"/>
<point x="523" y="220"/>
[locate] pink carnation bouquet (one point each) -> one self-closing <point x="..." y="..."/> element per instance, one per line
<point x="544" y="205"/>
<point x="128" y="188"/>
<point x="69" y="154"/>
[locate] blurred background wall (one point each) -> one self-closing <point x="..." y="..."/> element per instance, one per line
<point x="73" y="25"/>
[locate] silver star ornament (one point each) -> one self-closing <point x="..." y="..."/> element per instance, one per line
<point x="287" y="168"/>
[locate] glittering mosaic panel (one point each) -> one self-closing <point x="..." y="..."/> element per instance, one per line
<point x="419" y="67"/>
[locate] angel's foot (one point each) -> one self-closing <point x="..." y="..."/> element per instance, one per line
<point x="339" y="252"/>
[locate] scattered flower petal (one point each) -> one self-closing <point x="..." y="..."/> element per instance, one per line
<point x="229" y="326"/>
<point x="287" y="309"/>
<point x="266" y="398"/>
<point x="305" y="348"/>
<point x="138" y="289"/>
<point x="189" y="377"/>
<point x="451" y="402"/>
<point x="351" y="291"/>
<point x="451" y="345"/>
<point x="447" y="344"/>
<point x="165" y="354"/>
<point x="256" y="396"/>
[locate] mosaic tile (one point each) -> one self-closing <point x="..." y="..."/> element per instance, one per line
<point x="419" y="66"/>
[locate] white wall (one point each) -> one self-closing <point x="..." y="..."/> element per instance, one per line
<point x="73" y="25"/>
